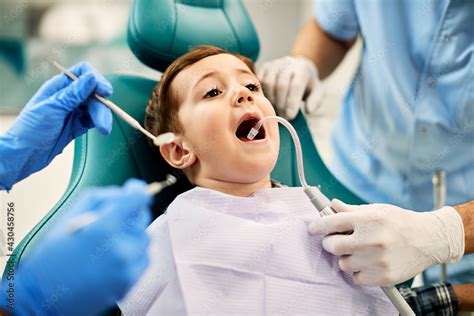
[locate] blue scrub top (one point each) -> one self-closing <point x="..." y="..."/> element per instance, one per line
<point x="410" y="107"/>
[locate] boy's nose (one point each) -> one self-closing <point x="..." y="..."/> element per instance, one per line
<point x="244" y="97"/>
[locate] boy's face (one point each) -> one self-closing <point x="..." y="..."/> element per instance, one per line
<point x="221" y="100"/>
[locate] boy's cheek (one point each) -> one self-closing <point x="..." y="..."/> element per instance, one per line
<point x="269" y="109"/>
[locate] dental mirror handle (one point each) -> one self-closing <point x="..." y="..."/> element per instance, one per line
<point x="115" y="108"/>
<point x="124" y="115"/>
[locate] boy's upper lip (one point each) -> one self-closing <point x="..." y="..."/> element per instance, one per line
<point x="247" y="116"/>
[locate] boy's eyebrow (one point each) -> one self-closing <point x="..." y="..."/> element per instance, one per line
<point x="213" y="73"/>
<point x="245" y="71"/>
<point x="209" y="74"/>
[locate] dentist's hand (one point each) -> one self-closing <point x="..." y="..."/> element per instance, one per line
<point x="287" y="80"/>
<point x="61" y="110"/>
<point x="389" y="245"/>
<point x="87" y="271"/>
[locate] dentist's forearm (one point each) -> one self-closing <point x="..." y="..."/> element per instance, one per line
<point x="315" y="44"/>
<point x="466" y="211"/>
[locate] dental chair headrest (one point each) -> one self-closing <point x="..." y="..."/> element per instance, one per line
<point x="159" y="31"/>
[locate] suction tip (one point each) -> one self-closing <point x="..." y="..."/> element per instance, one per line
<point x="253" y="132"/>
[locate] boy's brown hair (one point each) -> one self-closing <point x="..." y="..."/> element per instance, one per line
<point x="162" y="110"/>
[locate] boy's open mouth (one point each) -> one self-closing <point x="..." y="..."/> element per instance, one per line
<point x="244" y="128"/>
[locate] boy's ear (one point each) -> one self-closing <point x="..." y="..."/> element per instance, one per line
<point x="178" y="153"/>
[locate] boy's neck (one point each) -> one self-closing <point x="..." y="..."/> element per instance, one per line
<point x="233" y="188"/>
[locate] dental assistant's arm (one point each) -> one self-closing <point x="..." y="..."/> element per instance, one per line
<point x="60" y="111"/>
<point x="316" y="45"/>
<point x="389" y="245"/>
<point x="287" y="81"/>
<point x="465" y="296"/>
<point x="466" y="212"/>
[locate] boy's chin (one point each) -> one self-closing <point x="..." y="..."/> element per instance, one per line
<point x="251" y="177"/>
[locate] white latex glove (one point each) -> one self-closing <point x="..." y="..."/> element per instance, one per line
<point x="286" y="80"/>
<point x="389" y="245"/>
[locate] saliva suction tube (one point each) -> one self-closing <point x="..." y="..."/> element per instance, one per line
<point x="322" y="203"/>
<point x="319" y="200"/>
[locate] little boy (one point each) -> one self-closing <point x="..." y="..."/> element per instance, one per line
<point x="234" y="244"/>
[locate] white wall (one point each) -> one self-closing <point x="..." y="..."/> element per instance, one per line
<point x="277" y="22"/>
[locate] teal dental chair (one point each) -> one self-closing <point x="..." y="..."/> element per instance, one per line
<point x="158" y="32"/>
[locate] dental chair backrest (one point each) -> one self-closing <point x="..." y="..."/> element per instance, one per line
<point x="159" y="31"/>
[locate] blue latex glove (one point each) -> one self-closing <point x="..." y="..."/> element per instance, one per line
<point x="85" y="272"/>
<point x="61" y="110"/>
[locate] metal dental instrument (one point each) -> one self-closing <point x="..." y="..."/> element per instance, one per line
<point x="439" y="195"/>
<point x="88" y="218"/>
<point x="161" y="139"/>
<point x="322" y="203"/>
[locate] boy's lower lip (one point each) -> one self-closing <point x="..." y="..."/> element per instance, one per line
<point x="255" y="141"/>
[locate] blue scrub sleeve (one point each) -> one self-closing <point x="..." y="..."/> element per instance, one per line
<point x="337" y="17"/>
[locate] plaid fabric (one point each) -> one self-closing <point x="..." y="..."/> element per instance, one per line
<point x="434" y="299"/>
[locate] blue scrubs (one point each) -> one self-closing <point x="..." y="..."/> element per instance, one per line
<point x="410" y="107"/>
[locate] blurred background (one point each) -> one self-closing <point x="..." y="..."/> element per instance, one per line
<point x="34" y="33"/>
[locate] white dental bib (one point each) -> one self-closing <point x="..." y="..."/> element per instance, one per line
<point x="213" y="253"/>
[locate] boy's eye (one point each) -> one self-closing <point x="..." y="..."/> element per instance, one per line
<point x="212" y="93"/>
<point x="253" y="87"/>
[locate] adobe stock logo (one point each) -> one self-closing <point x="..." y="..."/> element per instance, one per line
<point x="7" y="245"/>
